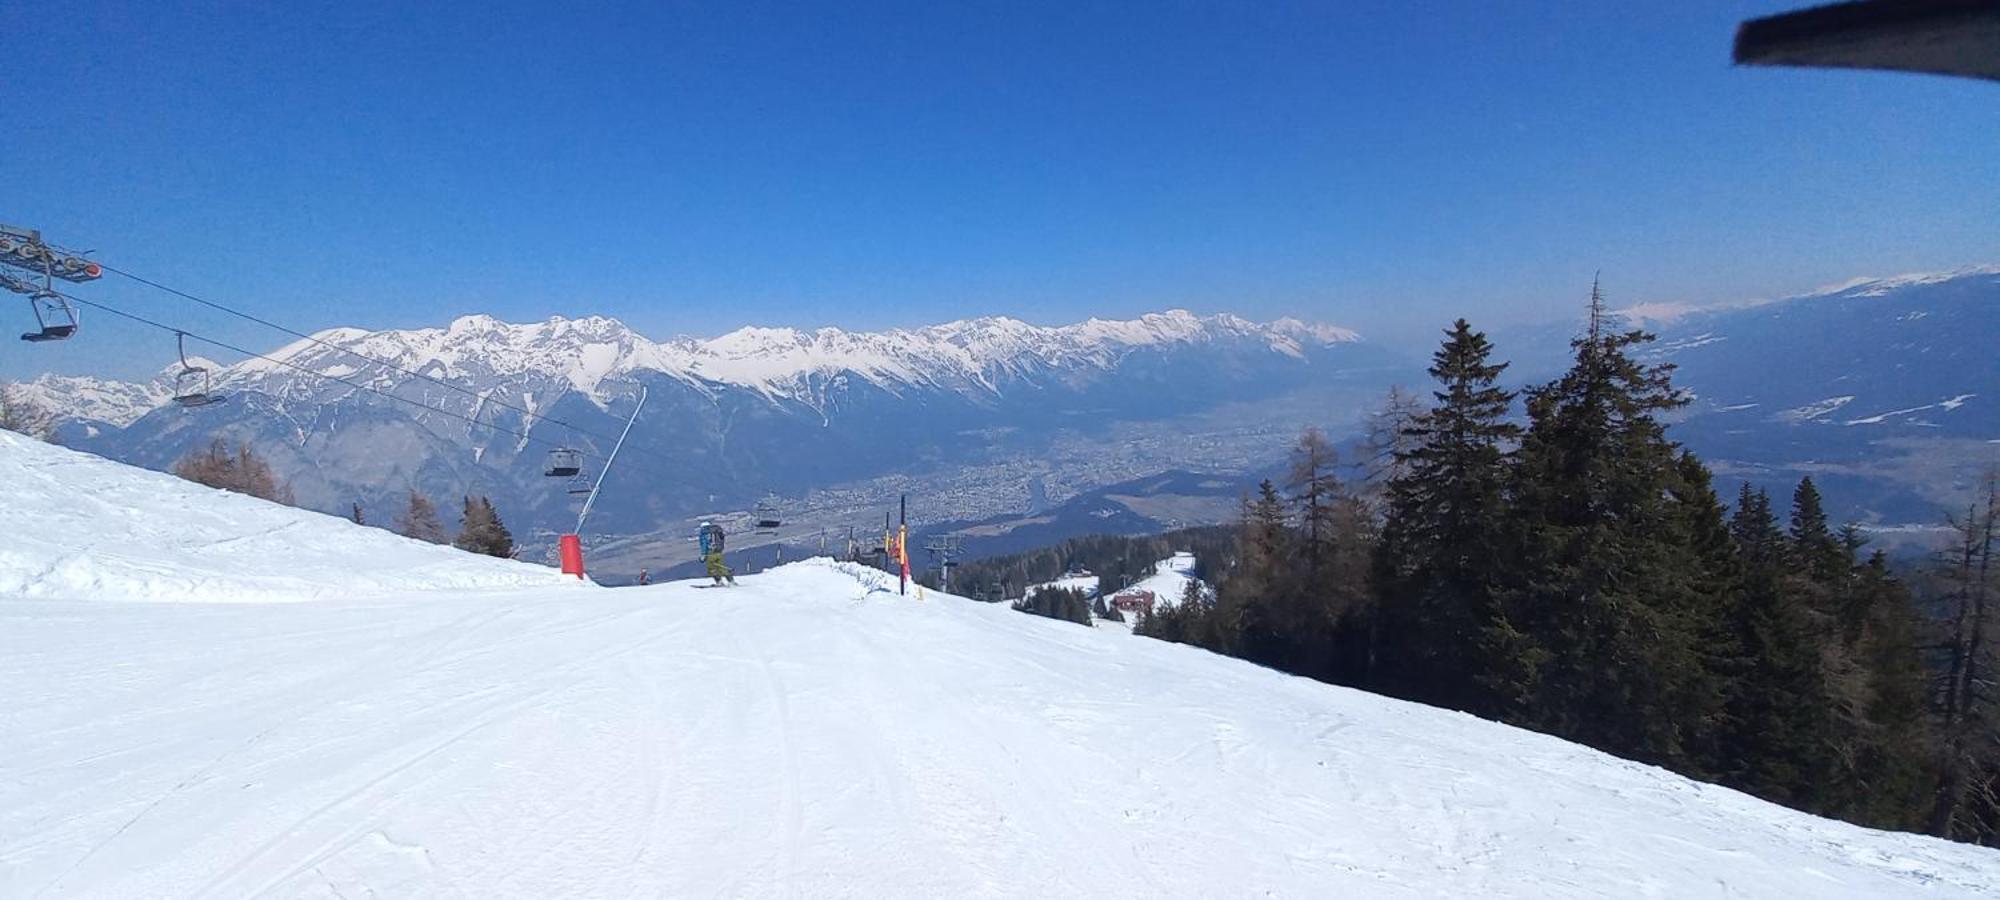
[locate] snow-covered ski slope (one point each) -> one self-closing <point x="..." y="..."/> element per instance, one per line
<point x="83" y="527"/>
<point x="1169" y="580"/>
<point x="800" y="735"/>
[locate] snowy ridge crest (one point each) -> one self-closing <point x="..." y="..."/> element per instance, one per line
<point x="89" y="399"/>
<point x="1669" y="312"/>
<point x="972" y="354"/>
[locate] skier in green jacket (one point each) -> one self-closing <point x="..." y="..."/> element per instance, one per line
<point x="711" y="536"/>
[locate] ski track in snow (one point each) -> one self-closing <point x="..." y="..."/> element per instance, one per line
<point x="781" y="740"/>
<point x="807" y="734"/>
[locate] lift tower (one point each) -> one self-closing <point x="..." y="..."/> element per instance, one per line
<point x="945" y="549"/>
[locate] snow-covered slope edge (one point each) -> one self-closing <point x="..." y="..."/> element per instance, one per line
<point x="1664" y="313"/>
<point x="80" y="527"/>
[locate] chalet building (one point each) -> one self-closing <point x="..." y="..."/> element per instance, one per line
<point x="1133" y="601"/>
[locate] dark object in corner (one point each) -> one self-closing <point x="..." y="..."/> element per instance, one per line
<point x="1943" y="37"/>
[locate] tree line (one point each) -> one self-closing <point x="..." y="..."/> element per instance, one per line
<point x="1117" y="560"/>
<point x="1577" y="574"/>
<point x="243" y="470"/>
<point x="1067" y="604"/>
<point x="479" y="531"/>
<point x="239" y="469"/>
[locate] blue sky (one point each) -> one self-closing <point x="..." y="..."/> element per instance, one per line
<point x="692" y="168"/>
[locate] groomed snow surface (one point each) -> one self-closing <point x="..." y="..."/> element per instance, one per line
<point x="80" y="526"/>
<point x="1169" y="580"/>
<point x="482" y="733"/>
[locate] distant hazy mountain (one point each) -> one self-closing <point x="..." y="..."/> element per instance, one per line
<point x="1887" y="391"/>
<point x="1877" y="357"/>
<point x="83" y="399"/>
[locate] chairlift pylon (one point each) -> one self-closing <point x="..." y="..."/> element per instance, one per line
<point x="193" y="387"/>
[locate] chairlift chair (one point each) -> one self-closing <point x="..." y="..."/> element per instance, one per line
<point x="580" y="486"/>
<point x="54" y="317"/>
<point x="564" y="463"/>
<point x="193" y="387"/>
<point x="767" y="516"/>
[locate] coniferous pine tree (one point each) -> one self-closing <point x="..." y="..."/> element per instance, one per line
<point x="1778" y="731"/>
<point x="1817" y="551"/>
<point x="419" y="520"/>
<point x="1067" y="604"/>
<point x="1594" y="578"/>
<point x="1818" y="566"/>
<point x="471" y="529"/>
<point x="1183" y="622"/>
<point x="1820" y="570"/>
<point x="1713" y="569"/>
<point x="500" y="541"/>
<point x="480" y="530"/>
<point x="1435" y="562"/>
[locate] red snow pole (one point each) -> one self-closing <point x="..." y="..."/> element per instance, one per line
<point x="571" y="547"/>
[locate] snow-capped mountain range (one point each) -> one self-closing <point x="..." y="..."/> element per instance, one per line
<point x="1886" y="389"/>
<point x="83" y="398"/>
<point x="977" y="355"/>
<point x="729" y="417"/>
<point x="974" y="356"/>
